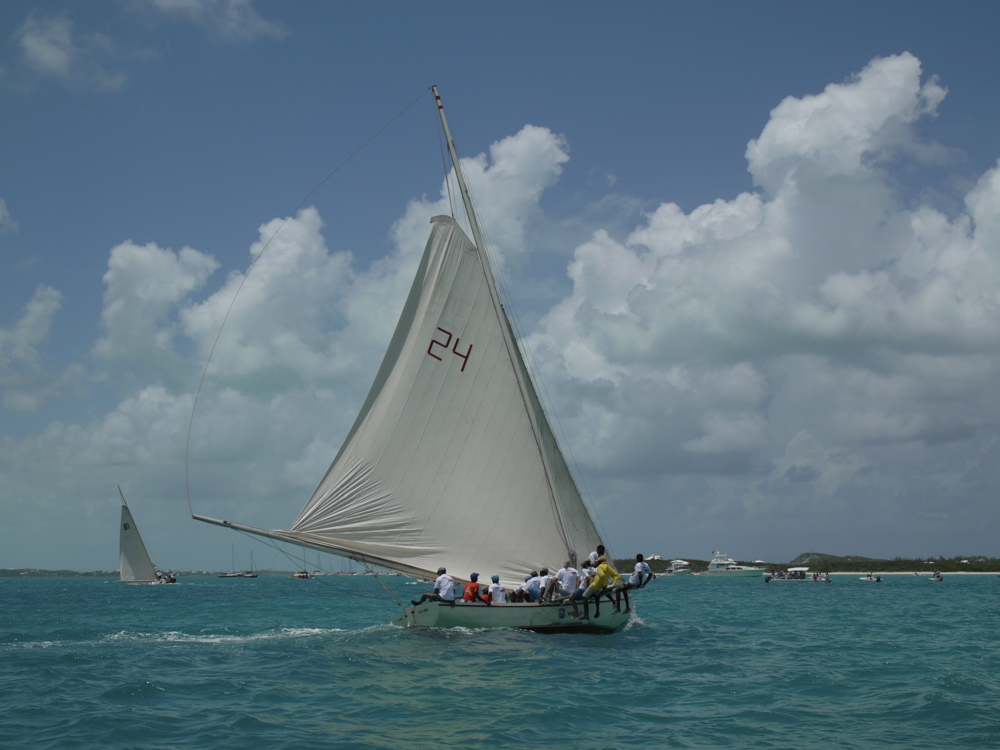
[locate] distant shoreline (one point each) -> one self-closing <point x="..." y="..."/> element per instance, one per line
<point x="42" y="573"/>
<point x="920" y="573"/>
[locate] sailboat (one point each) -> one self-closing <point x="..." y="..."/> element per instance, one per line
<point x="134" y="563"/>
<point x="252" y="573"/>
<point x="233" y="572"/>
<point x="451" y="460"/>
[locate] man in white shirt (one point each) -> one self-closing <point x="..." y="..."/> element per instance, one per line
<point x="497" y="593"/>
<point x="533" y="587"/>
<point x="546" y="583"/>
<point x="567" y="578"/>
<point x="642" y="574"/>
<point x="444" y="589"/>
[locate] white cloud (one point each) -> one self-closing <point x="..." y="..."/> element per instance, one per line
<point x="23" y="379"/>
<point x="836" y="132"/>
<point x="826" y="307"/>
<point x="51" y="47"/>
<point x="7" y="224"/>
<point x="145" y="285"/>
<point x="816" y="348"/>
<point x="233" y="20"/>
<point x="288" y="308"/>
<point x="507" y="185"/>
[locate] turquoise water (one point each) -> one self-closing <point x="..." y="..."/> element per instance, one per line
<point x="276" y="663"/>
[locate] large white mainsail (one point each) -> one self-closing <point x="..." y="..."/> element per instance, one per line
<point x="134" y="562"/>
<point x="451" y="460"/>
<point x="443" y="465"/>
<point x="447" y="462"/>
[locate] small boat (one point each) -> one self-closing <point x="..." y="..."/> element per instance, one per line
<point x="135" y="566"/>
<point x="797" y="574"/>
<point x="451" y="457"/>
<point x="723" y="566"/>
<point x="303" y="574"/>
<point x="233" y="573"/>
<point x="937" y="576"/>
<point x="871" y="578"/>
<point x="252" y="573"/>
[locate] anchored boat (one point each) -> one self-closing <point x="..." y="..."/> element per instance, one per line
<point x="724" y="566"/>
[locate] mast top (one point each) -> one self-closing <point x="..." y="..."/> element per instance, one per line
<point x="463" y="188"/>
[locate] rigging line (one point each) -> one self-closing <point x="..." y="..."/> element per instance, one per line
<point x="329" y="584"/>
<point x="444" y="168"/>
<point x="253" y="263"/>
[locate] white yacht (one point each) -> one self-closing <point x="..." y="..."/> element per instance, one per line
<point x="679" y="568"/>
<point x="724" y="566"/>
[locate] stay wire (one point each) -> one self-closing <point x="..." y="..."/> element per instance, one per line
<point x="253" y="264"/>
<point x="302" y="564"/>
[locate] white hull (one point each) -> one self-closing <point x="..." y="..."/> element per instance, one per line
<point x="725" y="567"/>
<point x="542" y="618"/>
<point x="148" y="583"/>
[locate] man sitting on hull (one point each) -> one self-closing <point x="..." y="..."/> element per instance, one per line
<point x="444" y="590"/>
<point x="604" y="577"/>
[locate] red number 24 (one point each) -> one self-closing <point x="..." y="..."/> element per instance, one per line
<point x="454" y="349"/>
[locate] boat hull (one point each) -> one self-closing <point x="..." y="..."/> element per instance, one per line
<point x="150" y="583"/>
<point x="541" y="618"/>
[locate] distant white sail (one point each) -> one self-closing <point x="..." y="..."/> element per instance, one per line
<point x="136" y="567"/>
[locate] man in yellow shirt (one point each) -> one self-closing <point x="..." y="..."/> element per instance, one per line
<point x="604" y="577"/>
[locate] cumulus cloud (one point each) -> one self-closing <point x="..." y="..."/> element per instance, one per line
<point x="507" y="183"/>
<point x="52" y="48"/>
<point x="144" y="286"/>
<point x="819" y="311"/>
<point x="24" y="381"/>
<point x="817" y="348"/>
<point x="282" y="313"/>
<point x="846" y="129"/>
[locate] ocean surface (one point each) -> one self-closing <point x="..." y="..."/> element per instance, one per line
<point x="278" y="663"/>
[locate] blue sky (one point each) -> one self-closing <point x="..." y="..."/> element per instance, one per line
<point x="754" y="249"/>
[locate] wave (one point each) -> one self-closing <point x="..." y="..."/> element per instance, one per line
<point x="175" y="636"/>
